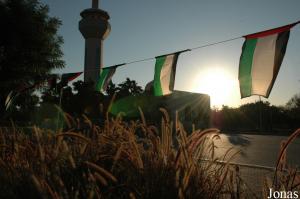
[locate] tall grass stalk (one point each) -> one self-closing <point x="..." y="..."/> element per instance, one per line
<point x="117" y="160"/>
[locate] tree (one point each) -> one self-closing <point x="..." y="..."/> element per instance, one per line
<point x="83" y="99"/>
<point x="29" y="44"/>
<point x="293" y="110"/>
<point x="294" y="102"/>
<point x="111" y="89"/>
<point x="127" y="88"/>
<point x="247" y="117"/>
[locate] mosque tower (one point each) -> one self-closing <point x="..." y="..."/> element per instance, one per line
<point x="94" y="27"/>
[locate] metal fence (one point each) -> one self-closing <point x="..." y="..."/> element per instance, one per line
<point x="252" y="178"/>
<point x="249" y="178"/>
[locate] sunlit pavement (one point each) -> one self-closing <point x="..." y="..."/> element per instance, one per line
<point x="258" y="154"/>
<point x="258" y="149"/>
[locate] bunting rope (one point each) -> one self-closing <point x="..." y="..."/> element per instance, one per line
<point x="189" y="49"/>
<point x="181" y="51"/>
<point x="216" y="43"/>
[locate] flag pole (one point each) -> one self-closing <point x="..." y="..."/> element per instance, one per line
<point x="260" y="114"/>
<point x="59" y="105"/>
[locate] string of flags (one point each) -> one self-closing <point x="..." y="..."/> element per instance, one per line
<point x="260" y="61"/>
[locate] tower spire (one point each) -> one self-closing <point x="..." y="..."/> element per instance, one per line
<point x="95" y="4"/>
<point x="95" y="27"/>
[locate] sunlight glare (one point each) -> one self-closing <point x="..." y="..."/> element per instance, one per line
<point x="218" y="84"/>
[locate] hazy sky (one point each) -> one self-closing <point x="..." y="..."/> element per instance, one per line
<point x="143" y="29"/>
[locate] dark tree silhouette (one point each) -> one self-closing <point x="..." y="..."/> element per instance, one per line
<point x="127" y="88"/>
<point x="294" y="102"/>
<point x="29" y="45"/>
<point x="111" y="89"/>
<point x="247" y="117"/>
<point x="83" y="99"/>
<point x="293" y="109"/>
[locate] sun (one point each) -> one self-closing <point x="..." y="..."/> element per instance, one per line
<point x="218" y="84"/>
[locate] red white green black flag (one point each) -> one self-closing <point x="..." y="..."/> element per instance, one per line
<point x="261" y="59"/>
<point x="105" y="77"/>
<point x="164" y="75"/>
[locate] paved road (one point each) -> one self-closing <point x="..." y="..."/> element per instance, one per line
<point x="258" y="149"/>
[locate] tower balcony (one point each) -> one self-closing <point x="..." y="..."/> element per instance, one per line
<point x="94" y="23"/>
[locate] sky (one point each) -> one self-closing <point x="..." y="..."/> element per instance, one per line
<point x="145" y="29"/>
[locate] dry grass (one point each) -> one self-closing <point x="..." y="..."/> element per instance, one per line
<point x="118" y="160"/>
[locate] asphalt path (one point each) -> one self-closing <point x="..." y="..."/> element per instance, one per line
<point x="259" y="150"/>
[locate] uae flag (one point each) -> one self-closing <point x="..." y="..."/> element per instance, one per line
<point x="164" y="76"/>
<point x="105" y="77"/>
<point x="66" y="78"/>
<point x="24" y="87"/>
<point x="10" y="99"/>
<point x="261" y="59"/>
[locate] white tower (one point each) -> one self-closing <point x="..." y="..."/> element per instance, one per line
<point x="94" y="27"/>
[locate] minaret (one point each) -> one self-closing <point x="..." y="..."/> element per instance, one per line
<point x="94" y="27"/>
